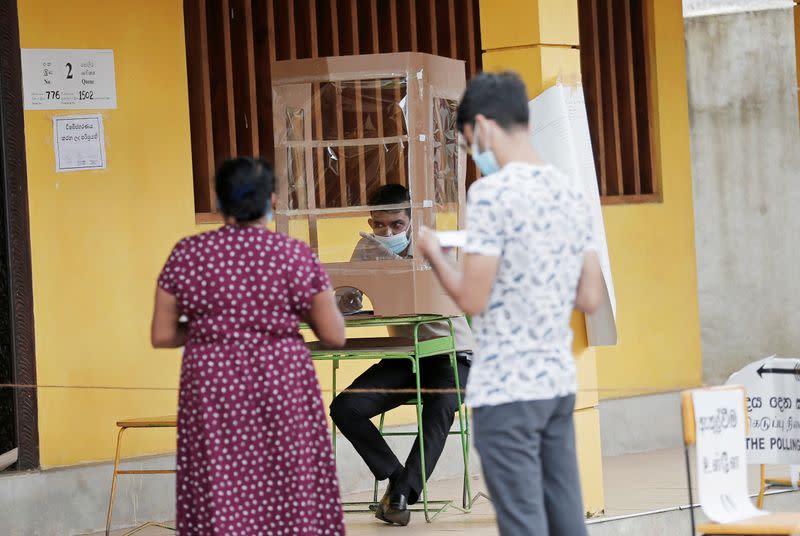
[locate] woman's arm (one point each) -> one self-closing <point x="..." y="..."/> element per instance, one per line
<point x="325" y="319"/>
<point x="166" y="330"/>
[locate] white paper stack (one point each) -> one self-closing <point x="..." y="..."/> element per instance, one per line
<point x="560" y="134"/>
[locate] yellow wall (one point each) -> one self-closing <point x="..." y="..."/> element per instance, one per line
<point x="99" y="237"/>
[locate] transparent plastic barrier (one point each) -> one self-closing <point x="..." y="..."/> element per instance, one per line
<point x="343" y="141"/>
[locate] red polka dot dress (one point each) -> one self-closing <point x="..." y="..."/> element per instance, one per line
<point x="254" y="453"/>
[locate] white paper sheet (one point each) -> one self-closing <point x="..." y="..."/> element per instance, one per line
<point x="68" y="79"/>
<point x="79" y="142"/>
<point x="452" y="239"/>
<point x="721" y="471"/>
<point x="560" y="134"/>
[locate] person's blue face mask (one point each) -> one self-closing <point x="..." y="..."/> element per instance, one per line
<point x="485" y="160"/>
<point x="395" y="243"/>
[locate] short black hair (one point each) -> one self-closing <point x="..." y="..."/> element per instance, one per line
<point x="244" y="188"/>
<point x="391" y="194"/>
<point x="501" y="97"/>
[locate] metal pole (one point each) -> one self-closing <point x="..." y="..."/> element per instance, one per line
<point x="689" y="480"/>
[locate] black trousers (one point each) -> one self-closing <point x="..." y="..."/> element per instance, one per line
<point x="351" y="412"/>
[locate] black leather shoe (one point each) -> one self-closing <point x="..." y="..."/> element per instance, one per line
<point x="393" y="508"/>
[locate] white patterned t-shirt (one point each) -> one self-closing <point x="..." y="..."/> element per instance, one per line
<point x="538" y="222"/>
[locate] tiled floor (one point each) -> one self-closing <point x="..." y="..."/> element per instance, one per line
<point x="480" y="522"/>
<point x="633" y="484"/>
<point x="656" y="480"/>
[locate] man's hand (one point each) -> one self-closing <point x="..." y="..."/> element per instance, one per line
<point x="382" y="252"/>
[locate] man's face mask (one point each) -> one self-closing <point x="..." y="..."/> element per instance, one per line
<point x="485" y="160"/>
<point x="395" y="243"/>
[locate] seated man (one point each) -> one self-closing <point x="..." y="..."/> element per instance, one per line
<point x="351" y="412"/>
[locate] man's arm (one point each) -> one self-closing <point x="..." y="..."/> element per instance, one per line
<point x="470" y="288"/>
<point x="590" y="286"/>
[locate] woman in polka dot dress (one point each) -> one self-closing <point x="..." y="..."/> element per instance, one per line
<point x="254" y="453"/>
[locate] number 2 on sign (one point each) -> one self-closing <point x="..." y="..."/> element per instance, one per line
<point x="53" y="95"/>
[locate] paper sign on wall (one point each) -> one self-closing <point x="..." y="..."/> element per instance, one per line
<point x="79" y="142"/>
<point x="773" y="405"/>
<point x="64" y="79"/>
<point x="721" y="464"/>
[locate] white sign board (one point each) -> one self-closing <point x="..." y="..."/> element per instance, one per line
<point x="79" y="142"/>
<point x="721" y="462"/>
<point x="63" y="79"/>
<point x="773" y="404"/>
<point x="560" y="134"/>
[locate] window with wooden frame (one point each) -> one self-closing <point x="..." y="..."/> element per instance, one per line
<point x="230" y="45"/>
<point x="616" y="66"/>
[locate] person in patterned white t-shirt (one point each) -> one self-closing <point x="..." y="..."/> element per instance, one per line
<point x="528" y="263"/>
